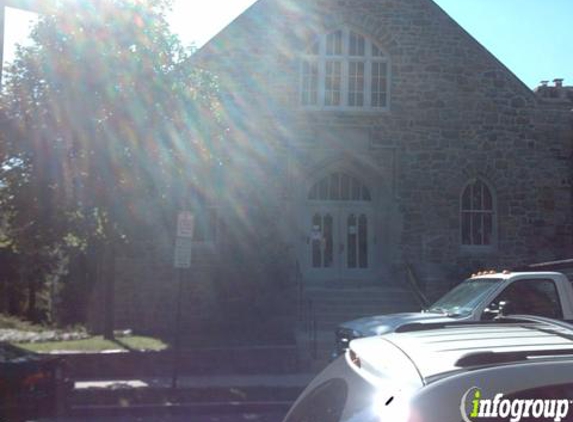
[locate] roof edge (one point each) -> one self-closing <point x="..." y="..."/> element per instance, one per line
<point x="483" y="48"/>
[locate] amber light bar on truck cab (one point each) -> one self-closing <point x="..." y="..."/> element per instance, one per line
<point x="488" y="272"/>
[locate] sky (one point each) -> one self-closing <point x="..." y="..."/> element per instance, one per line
<point x="533" y="38"/>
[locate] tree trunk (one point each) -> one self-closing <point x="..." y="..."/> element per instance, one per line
<point x="108" y="272"/>
<point x="32" y="313"/>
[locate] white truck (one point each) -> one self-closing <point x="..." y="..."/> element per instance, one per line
<point x="482" y="297"/>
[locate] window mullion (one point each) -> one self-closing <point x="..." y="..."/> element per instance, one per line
<point x="301" y="85"/>
<point x="321" y="71"/>
<point x="482" y="228"/>
<point x="345" y="71"/>
<point x="368" y="82"/>
<point x="344" y="81"/>
<point x="482" y="212"/>
<point x="388" y="81"/>
<point x="471" y="219"/>
<point x="342" y="62"/>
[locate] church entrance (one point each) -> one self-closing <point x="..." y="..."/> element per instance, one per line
<point x="340" y="227"/>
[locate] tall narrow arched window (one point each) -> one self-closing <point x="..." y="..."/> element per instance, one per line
<point x="478" y="226"/>
<point x="344" y="70"/>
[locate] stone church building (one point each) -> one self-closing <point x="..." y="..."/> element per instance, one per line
<point x="381" y="140"/>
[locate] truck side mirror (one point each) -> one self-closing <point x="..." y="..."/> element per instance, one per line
<point x="489" y="313"/>
<point x="496" y="310"/>
<point x="504" y="307"/>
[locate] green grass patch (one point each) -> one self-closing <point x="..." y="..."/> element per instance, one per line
<point x="15" y="323"/>
<point x="97" y="344"/>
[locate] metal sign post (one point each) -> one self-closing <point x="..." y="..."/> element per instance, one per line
<point x="182" y="261"/>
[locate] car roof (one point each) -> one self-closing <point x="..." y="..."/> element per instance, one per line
<point x="449" y="348"/>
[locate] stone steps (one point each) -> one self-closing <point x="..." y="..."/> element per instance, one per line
<point x="350" y="311"/>
<point x="332" y="306"/>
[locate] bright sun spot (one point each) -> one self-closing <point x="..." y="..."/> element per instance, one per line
<point x="17" y="30"/>
<point x="196" y="22"/>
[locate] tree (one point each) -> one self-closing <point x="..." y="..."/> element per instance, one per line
<point x="111" y="111"/>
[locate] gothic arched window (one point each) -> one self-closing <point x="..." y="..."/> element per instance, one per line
<point x="339" y="187"/>
<point x="478" y="226"/>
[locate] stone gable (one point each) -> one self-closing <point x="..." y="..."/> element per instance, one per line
<point x="455" y="115"/>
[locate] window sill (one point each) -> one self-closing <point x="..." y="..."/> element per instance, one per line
<point x="345" y="110"/>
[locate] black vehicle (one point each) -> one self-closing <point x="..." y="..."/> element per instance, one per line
<point x="31" y="384"/>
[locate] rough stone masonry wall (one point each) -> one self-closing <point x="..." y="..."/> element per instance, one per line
<point x="455" y="114"/>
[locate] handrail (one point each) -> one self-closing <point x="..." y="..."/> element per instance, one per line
<point x="415" y="287"/>
<point x="314" y="336"/>
<point x="300" y="291"/>
<point x="306" y="313"/>
<point x="311" y="328"/>
<point x="309" y="313"/>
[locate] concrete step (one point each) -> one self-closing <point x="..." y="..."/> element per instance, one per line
<point x="345" y="316"/>
<point x="330" y="307"/>
<point x="329" y="325"/>
<point x="363" y="303"/>
<point x="342" y="302"/>
<point x="338" y="318"/>
<point x="369" y="308"/>
<point x="315" y="350"/>
<point x="356" y="294"/>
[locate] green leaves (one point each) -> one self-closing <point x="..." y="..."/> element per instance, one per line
<point x="109" y="118"/>
<point x="109" y="104"/>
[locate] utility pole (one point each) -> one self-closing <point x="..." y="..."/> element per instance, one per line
<point x="182" y="262"/>
<point x="2" y="28"/>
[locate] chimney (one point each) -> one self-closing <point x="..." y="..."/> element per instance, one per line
<point x="558" y="82"/>
<point x="544" y="83"/>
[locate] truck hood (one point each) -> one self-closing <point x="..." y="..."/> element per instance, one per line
<point x="382" y="324"/>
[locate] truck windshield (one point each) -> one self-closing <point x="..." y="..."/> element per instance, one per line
<point x="461" y="300"/>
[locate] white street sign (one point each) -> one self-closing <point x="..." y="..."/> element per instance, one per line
<point x="183" y="247"/>
<point x="185" y="224"/>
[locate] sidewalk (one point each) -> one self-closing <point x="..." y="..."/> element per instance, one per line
<point x="232" y="392"/>
<point x="252" y="379"/>
<point x="299" y="380"/>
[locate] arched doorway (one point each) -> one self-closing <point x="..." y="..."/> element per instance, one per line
<point x="338" y="217"/>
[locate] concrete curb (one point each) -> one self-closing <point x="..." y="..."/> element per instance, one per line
<point x="212" y="361"/>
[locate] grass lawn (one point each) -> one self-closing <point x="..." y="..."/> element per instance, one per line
<point x="90" y="344"/>
<point x="233" y="333"/>
<point x="11" y="322"/>
<point x="97" y="344"/>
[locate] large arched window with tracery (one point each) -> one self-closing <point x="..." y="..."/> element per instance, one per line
<point x="478" y="226"/>
<point x="344" y="70"/>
